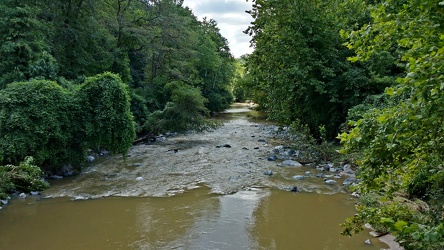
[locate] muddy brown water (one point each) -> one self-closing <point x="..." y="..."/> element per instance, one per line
<point x="201" y="197"/>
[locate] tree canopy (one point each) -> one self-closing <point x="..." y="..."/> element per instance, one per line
<point x="163" y="67"/>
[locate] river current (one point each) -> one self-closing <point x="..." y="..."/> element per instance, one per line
<point x="193" y="191"/>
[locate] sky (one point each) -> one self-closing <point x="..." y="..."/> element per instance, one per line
<point x="231" y="19"/>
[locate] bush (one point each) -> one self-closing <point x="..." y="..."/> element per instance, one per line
<point x="106" y="115"/>
<point x="36" y="118"/>
<point x="185" y="111"/>
<point x="23" y="178"/>
<point x="56" y="126"/>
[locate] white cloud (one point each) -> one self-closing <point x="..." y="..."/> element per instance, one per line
<point x="231" y="19"/>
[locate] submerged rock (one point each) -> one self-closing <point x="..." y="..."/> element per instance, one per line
<point x="294" y="189"/>
<point x="224" y="146"/>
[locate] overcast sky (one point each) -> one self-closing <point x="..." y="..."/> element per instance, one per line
<point x="231" y="19"/>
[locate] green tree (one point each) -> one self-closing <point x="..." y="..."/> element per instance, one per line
<point x="402" y="144"/>
<point x="34" y="122"/>
<point x="24" y="48"/>
<point x="106" y="113"/>
<point x="300" y="64"/>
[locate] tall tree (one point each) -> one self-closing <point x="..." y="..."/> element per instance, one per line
<point x="301" y="65"/>
<point x="24" y="47"/>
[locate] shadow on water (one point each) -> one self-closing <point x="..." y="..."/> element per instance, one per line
<point x="201" y="196"/>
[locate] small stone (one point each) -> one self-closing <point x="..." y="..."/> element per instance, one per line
<point x="330" y="182"/>
<point x="268" y="172"/>
<point x="4" y="202"/>
<point x="256" y="147"/>
<point x="139" y="178"/>
<point x="368" y="242"/>
<point x="224" y="146"/>
<point x="294" y="189"/>
<point x="307" y="173"/>
<point x="34" y="192"/>
<point x="262" y="140"/>
<point x="272" y="158"/>
<point x="22" y="196"/>
<point x="298" y="177"/>
<point x="291" y="163"/>
<point x="90" y="158"/>
<point x="138" y="164"/>
<point x="104" y="152"/>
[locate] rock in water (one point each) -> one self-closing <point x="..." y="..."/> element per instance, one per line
<point x="139" y="178"/>
<point x="298" y="177"/>
<point x="90" y="158"/>
<point x="294" y="189"/>
<point x="331" y="182"/>
<point x="291" y="163"/>
<point x="268" y="172"/>
<point x="22" y="195"/>
<point x="272" y="158"/>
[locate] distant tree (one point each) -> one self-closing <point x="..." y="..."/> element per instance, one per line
<point x="24" y="47"/>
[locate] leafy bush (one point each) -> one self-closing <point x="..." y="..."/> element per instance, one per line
<point x="186" y="111"/>
<point x="106" y="114"/>
<point x="23" y="178"/>
<point x="36" y="118"/>
<point x="56" y="126"/>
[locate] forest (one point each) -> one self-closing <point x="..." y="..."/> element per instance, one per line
<point x="79" y="75"/>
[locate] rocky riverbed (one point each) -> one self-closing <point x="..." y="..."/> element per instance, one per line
<point x="238" y="155"/>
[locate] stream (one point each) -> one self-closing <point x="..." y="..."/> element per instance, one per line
<point x="193" y="191"/>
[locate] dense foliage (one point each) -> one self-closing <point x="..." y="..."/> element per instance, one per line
<point x="301" y="73"/>
<point x="168" y="71"/>
<point x="37" y="119"/>
<point x="402" y="141"/>
<point x="300" y="66"/>
<point x="25" y="177"/>
<point x="56" y="126"/>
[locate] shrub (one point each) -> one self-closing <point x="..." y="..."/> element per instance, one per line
<point x="36" y="118"/>
<point x="106" y="115"/>
<point x="25" y="177"/>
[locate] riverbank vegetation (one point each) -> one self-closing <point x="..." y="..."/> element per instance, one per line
<point x="161" y="64"/>
<point x="371" y="71"/>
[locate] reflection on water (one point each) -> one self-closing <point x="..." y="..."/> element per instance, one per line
<point x="161" y="198"/>
<point x="195" y="219"/>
